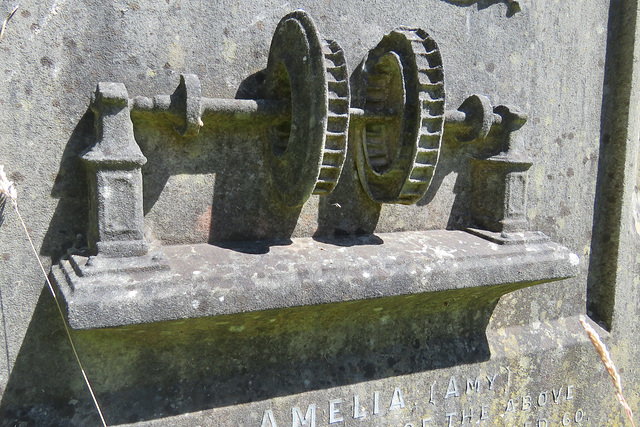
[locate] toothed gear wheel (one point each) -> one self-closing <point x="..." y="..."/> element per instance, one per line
<point x="402" y="80"/>
<point x="306" y="151"/>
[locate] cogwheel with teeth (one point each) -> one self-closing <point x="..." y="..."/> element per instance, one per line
<point x="337" y="125"/>
<point x="402" y="80"/>
<point x="306" y="151"/>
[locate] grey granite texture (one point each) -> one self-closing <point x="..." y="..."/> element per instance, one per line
<point x="569" y="65"/>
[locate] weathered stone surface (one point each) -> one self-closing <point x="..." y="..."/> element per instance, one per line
<point x="205" y="280"/>
<point x="568" y="65"/>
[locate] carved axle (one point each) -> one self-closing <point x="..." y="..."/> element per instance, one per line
<point x="468" y="124"/>
<point x="472" y="121"/>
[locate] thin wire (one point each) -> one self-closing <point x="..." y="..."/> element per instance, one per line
<point x="9" y="16"/>
<point x="64" y="321"/>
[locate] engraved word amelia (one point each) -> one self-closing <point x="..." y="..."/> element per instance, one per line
<point x="385" y="403"/>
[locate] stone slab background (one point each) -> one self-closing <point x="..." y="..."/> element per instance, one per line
<point x="552" y="59"/>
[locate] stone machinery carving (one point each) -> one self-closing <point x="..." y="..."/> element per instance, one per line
<point x="397" y="118"/>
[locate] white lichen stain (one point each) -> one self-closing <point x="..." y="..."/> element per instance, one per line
<point x="229" y="50"/>
<point x="515" y="58"/>
<point x="574" y="259"/>
<point x="535" y="325"/>
<point x="196" y="272"/>
<point x="548" y="120"/>
<point x="636" y="212"/>
<point x="286" y="7"/>
<point x="132" y="294"/>
<point x="195" y="304"/>
<point x="176" y="55"/>
<point x="53" y="11"/>
<point x="221" y="299"/>
<point x="258" y="20"/>
<point x="442" y="253"/>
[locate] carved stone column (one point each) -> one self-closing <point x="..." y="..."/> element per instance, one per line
<point x="499" y="204"/>
<point x="116" y="223"/>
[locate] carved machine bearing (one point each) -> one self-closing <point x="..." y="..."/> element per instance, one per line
<point x="397" y="120"/>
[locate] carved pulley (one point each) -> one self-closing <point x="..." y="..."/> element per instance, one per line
<point x="403" y="83"/>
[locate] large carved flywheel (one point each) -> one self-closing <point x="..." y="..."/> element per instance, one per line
<point x="306" y="150"/>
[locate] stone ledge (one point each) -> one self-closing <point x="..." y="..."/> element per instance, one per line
<point x="207" y="280"/>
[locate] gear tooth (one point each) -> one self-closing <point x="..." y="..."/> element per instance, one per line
<point x="337" y="123"/>
<point x="433" y="108"/>
<point x="427" y="156"/>
<point x="422" y="61"/>
<point x="431" y="46"/>
<point x="427" y="60"/>
<point x="338" y="105"/>
<point x="338" y="99"/>
<point x="411" y="34"/>
<point x="340" y="88"/>
<point x="334" y="144"/>
<point x="431" y="126"/>
<point x="429" y="141"/>
<point x="431" y="86"/>
<point x="337" y="73"/>
<point x="433" y="90"/>
<point x="418" y="176"/>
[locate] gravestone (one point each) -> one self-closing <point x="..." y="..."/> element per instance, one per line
<point x="308" y="214"/>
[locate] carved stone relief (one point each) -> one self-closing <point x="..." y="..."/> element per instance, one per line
<point x="394" y="124"/>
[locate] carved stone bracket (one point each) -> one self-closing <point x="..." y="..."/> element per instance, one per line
<point x="438" y="262"/>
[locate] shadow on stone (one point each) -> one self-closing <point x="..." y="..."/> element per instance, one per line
<point x="348" y="210"/>
<point x="45" y="379"/>
<point x="347" y="240"/>
<point x="69" y="222"/>
<point x="614" y="138"/>
<point x="455" y="158"/>
<point x="255" y="247"/>
<point x="3" y="204"/>
<point x="150" y="371"/>
<point x="513" y="6"/>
